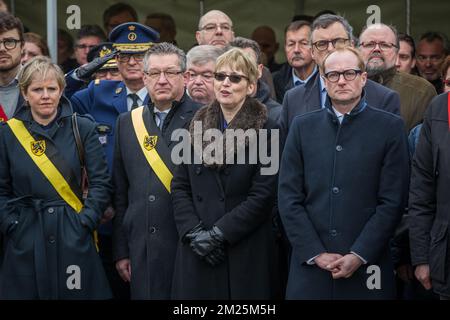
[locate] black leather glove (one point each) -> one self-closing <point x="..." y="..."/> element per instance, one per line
<point x="216" y="257"/>
<point x="206" y="241"/>
<point x="85" y="72"/>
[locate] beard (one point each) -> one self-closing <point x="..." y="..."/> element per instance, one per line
<point x="374" y="70"/>
<point x="11" y="64"/>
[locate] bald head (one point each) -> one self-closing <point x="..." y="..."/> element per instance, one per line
<point x="215" y="28"/>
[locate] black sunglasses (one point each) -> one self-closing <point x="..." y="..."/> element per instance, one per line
<point x="234" y="78"/>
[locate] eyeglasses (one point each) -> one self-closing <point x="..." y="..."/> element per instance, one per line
<point x="10" y="43"/>
<point x="104" y="72"/>
<point x="433" y="58"/>
<point x="234" y="78"/>
<point x="349" y="75"/>
<point x="207" y="76"/>
<point x="84" y="46"/>
<point x="168" y="74"/>
<point x="211" y="27"/>
<point x="384" y="46"/>
<point x="125" y="57"/>
<point x="446" y="82"/>
<point x="322" y="45"/>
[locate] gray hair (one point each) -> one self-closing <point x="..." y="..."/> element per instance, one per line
<point x="243" y="43"/>
<point x="325" y="20"/>
<point x="203" y="54"/>
<point x="163" y="49"/>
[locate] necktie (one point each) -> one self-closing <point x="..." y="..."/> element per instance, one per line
<point x="134" y="97"/>
<point x="161" y="116"/>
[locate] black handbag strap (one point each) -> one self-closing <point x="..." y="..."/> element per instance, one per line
<point x="76" y="133"/>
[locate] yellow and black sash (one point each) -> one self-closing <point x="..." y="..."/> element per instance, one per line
<point x="152" y="146"/>
<point x="45" y="156"/>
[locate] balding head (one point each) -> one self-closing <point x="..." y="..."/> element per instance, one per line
<point x="215" y="28"/>
<point x="379" y="47"/>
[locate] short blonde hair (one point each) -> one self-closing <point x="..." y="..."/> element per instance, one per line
<point x="361" y="64"/>
<point x="41" y="68"/>
<point x="239" y="60"/>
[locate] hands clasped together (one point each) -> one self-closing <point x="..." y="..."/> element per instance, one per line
<point x="339" y="266"/>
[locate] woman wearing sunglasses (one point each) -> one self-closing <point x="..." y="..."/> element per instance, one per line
<point x="223" y="207"/>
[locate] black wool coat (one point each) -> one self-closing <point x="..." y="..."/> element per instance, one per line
<point x="429" y="201"/>
<point x="238" y="199"/>
<point x="342" y="189"/>
<point x="50" y="237"/>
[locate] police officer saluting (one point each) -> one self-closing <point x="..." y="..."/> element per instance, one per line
<point x="104" y="100"/>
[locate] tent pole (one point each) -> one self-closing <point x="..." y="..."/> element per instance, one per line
<point x="52" y="32"/>
<point x="408" y="17"/>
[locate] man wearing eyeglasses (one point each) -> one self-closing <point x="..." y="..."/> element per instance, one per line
<point x="201" y="61"/>
<point x="215" y="28"/>
<point x="343" y="186"/>
<point x="88" y="37"/>
<point x="105" y="100"/>
<point x="11" y="45"/>
<point x="328" y="33"/>
<point x="379" y="47"/>
<point x="145" y="235"/>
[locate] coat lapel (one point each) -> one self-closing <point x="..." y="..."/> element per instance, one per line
<point x="312" y="99"/>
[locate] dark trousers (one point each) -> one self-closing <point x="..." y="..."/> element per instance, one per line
<point x="119" y="288"/>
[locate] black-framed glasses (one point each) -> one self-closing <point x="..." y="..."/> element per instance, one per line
<point x="234" y="78"/>
<point x="10" y="43"/>
<point x="322" y="45"/>
<point x="212" y="27"/>
<point x="125" y="57"/>
<point x="156" y="74"/>
<point x="384" y="46"/>
<point x="349" y="75"/>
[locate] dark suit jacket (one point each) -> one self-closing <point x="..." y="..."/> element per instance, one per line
<point x="303" y="99"/>
<point x="282" y="81"/>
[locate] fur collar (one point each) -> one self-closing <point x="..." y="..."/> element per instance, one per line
<point x="252" y="115"/>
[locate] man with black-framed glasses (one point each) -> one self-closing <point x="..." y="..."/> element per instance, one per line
<point x="105" y="100"/>
<point x="379" y="45"/>
<point x="328" y="33"/>
<point x="11" y="45"/>
<point x="343" y="186"/>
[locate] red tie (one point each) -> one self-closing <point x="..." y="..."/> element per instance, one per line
<point x="3" y="116"/>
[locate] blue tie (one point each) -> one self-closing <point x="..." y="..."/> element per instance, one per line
<point x="135" y="98"/>
<point x="161" y="116"/>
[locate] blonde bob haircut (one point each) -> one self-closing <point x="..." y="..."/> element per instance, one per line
<point x="361" y="64"/>
<point x="239" y="60"/>
<point x="40" y="68"/>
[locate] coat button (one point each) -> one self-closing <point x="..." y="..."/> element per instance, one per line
<point x="198" y="170"/>
<point x="151" y="198"/>
<point x="333" y="233"/>
<point x="338" y="148"/>
<point x="199" y="198"/>
<point x="436" y="173"/>
<point x="50" y="210"/>
<point x="51" y="239"/>
<point x="335" y="190"/>
<point x="152" y="229"/>
<point x="221" y="199"/>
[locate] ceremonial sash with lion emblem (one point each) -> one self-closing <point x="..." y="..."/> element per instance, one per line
<point x="36" y="150"/>
<point x="148" y="145"/>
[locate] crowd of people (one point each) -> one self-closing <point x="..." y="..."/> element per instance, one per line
<point x="93" y="204"/>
